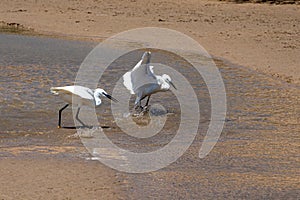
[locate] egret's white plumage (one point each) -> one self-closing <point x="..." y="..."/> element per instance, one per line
<point x="79" y="96"/>
<point x="142" y="81"/>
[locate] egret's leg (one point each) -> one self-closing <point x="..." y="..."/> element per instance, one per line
<point x="138" y="103"/>
<point x="77" y="114"/>
<point x="145" y="108"/>
<point x="138" y="107"/>
<point x="147" y="100"/>
<point x="59" y="115"/>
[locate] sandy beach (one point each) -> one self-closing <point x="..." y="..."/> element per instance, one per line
<point x="33" y="178"/>
<point x="264" y="37"/>
<point x="257" y="155"/>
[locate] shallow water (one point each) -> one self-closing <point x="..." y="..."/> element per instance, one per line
<point x="258" y="151"/>
<point x="29" y="67"/>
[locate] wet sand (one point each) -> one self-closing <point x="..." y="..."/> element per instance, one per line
<point x="263" y="37"/>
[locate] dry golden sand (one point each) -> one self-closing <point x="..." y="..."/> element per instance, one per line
<point x="260" y="36"/>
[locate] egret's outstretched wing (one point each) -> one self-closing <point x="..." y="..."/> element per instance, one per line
<point x="80" y="91"/>
<point x="127" y="82"/>
<point x="140" y="75"/>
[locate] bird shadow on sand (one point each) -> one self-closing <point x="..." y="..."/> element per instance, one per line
<point x="84" y="127"/>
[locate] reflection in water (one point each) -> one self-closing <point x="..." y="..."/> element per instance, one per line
<point x="257" y="151"/>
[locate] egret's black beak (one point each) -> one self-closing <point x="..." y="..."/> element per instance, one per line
<point x="172" y="84"/>
<point x="110" y="97"/>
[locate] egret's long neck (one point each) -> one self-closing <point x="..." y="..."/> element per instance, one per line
<point x="145" y="61"/>
<point x="97" y="99"/>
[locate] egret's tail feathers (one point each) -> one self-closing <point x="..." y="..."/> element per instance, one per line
<point x="128" y="82"/>
<point x="54" y="90"/>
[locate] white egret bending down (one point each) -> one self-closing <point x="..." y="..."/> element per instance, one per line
<point x="142" y="81"/>
<point x="81" y="96"/>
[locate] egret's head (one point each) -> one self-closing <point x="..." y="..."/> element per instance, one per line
<point x="168" y="79"/>
<point x="100" y="92"/>
<point x="146" y="57"/>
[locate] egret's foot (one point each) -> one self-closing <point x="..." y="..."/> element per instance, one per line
<point x="138" y="114"/>
<point x="146" y="108"/>
<point x="58" y="126"/>
<point x="138" y="109"/>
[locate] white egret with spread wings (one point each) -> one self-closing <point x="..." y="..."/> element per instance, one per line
<point x="142" y="81"/>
